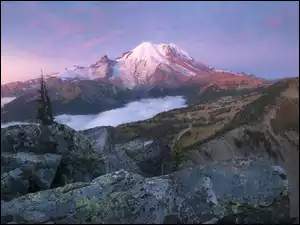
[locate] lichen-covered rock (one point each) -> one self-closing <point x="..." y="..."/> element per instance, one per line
<point x="20" y="171"/>
<point x="142" y="156"/>
<point x="13" y="184"/>
<point x="80" y="162"/>
<point x="253" y="141"/>
<point x="114" y="159"/>
<point x="239" y="191"/>
<point x="101" y="138"/>
<point x="248" y="191"/>
<point x="150" y="156"/>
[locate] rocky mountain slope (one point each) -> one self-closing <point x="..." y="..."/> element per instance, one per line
<point x="81" y="97"/>
<point x="94" y="180"/>
<point x="264" y="124"/>
<point x="231" y="160"/>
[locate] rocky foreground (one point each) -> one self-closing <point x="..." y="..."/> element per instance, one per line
<point x="57" y="175"/>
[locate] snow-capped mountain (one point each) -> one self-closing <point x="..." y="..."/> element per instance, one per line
<point x="147" y="65"/>
<point x="154" y="64"/>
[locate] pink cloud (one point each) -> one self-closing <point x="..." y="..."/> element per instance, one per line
<point x="102" y="39"/>
<point x="96" y="12"/>
<point x="96" y="41"/>
<point x="244" y="34"/>
<point x="35" y="23"/>
<point x="63" y="29"/>
<point x="273" y="22"/>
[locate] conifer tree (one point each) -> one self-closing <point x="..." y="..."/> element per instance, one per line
<point x="44" y="108"/>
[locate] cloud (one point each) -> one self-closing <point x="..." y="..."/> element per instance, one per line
<point x="273" y="22"/>
<point x="134" y="111"/>
<point x="102" y="39"/>
<point x="13" y="124"/>
<point x="96" y="12"/>
<point x="6" y="100"/>
<point x="96" y="41"/>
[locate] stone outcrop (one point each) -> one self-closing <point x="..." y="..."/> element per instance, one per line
<point x="79" y="161"/>
<point x="24" y="172"/>
<point x="238" y="191"/>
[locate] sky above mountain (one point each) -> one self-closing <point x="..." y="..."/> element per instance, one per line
<point x="254" y="37"/>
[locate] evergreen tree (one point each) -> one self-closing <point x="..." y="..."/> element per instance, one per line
<point x="48" y="106"/>
<point x="41" y="102"/>
<point x="44" y="108"/>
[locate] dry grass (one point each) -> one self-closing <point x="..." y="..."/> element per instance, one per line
<point x="206" y="119"/>
<point x="287" y="117"/>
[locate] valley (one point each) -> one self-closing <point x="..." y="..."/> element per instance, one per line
<point x="147" y="71"/>
<point x="119" y="112"/>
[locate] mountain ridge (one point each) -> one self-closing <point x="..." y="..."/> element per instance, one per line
<point x="165" y="65"/>
<point x="147" y="71"/>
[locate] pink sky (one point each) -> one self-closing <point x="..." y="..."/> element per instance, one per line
<point x="253" y="37"/>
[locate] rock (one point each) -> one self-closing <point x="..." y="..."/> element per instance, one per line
<point x="80" y="162"/>
<point x="243" y="191"/>
<point x="19" y="169"/>
<point x="101" y="138"/>
<point x="140" y="156"/>
<point x="150" y="156"/>
<point x="249" y="142"/>
<point x="171" y="219"/>
<point x="114" y="158"/>
<point x="13" y="184"/>
<point x="234" y="144"/>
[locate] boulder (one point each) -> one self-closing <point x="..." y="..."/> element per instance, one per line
<point x="24" y="172"/>
<point x="101" y="138"/>
<point x="238" y="191"/>
<point x="254" y="141"/>
<point x="114" y="158"/>
<point x="80" y="162"/>
<point x="152" y="157"/>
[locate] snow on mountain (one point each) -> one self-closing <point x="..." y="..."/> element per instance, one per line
<point x="150" y="64"/>
<point x="139" y="65"/>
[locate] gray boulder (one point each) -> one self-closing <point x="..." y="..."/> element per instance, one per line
<point x="152" y="157"/>
<point x="21" y="171"/>
<point x="143" y="156"/>
<point x="114" y="158"/>
<point x="80" y="162"/>
<point x="237" y="191"/>
<point x="101" y="138"/>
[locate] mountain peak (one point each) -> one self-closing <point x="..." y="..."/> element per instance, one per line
<point x="104" y="59"/>
<point x="146" y="43"/>
<point x="175" y="51"/>
<point x="157" y="52"/>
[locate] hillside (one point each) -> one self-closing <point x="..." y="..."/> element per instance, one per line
<point x="264" y="124"/>
<point x="53" y="174"/>
<point x="192" y="159"/>
<point x="77" y="97"/>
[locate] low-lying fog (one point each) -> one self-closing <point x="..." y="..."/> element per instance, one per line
<point x="134" y="111"/>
